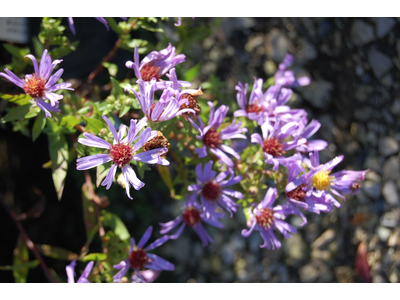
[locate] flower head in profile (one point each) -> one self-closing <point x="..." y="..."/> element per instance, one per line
<point x="274" y="145"/>
<point x="266" y="219"/>
<point x="70" y="270"/>
<point x="213" y="190"/>
<point x="192" y="216"/>
<point x="155" y="64"/>
<point x="212" y="137"/>
<point x="139" y="258"/>
<point x="284" y="77"/>
<point x="40" y="85"/>
<point x="339" y="183"/>
<point x="122" y="152"/>
<point x="166" y="108"/>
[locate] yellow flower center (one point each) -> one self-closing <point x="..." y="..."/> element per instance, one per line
<point x="321" y="180"/>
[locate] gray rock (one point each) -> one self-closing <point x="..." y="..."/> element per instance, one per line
<point x="391" y="168"/>
<point x="383" y="26"/>
<point x="390" y="193"/>
<point x="276" y="45"/>
<point x="295" y="248"/>
<point x="308" y="273"/>
<point x="227" y="254"/>
<point x="391" y="218"/>
<point x="383" y="233"/>
<point x="379" y="62"/>
<point x="364" y="113"/>
<point x="395" y="107"/>
<point x="362" y="33"/>
<point x="372" y="163"/>
<point x="318" y="93"/>
<point x="388" y="146"/>
<point x="373" y="176"/>
<point x="387" y="80"/>
<point x="306" y="50"/>
<point x="324" y="239"/>
<point x="372" y="189"/>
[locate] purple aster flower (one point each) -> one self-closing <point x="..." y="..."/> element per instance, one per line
<point x="306" y="132"/>
<point x="166" y="108"/>
<point x="300" y="193"/>
<point x="122" y="152"/>
<point x="155" y="64"/>
<point x="40" y="85"/>
<point x="72" y="26"/>
<point x="70" y="270"/>
<point x="146" y="276"/>
<point x="192" y="216"/>
<point x="179" y="22"/>
<point x="139" y="258"/>
<point x="212" y="139"/>
<point x="262" y="105"/>
<point x="283" y="77"/>
<point x="340" y="183"/>
<point x="273" y="143"/>
<point x="266" y="219"/>
<point x="213" y="192"/>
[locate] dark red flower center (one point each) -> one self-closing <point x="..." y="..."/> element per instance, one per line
<point x="121" y="154"/>
<point x="298" y="193"/>
<point x="193" y="104"/>
<point x="35" y="87"/>
<point x="273" y="147"/>
<point x="211" y="191"/>
<point x="138" y="259"/>
<point x="254" y="108"/>
<point x="265" y="218"/>
<point x="211" y="138"/>
<point x="191" y="216"/>
<point x="150" y="71"/>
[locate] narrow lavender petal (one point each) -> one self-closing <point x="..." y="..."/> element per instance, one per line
<point x="145" y="136"/>
<point x="157" y="243"/>
<point x="54" y="78"/>
<point x="167" y="227"/>
<point x="334" y="162"/>
<point x="203" y="235"/>
<point x="102" y="20"/>
<point x="86" y="273"/>
<point x="88" y="162"/>
<point x="230" y="151"/>
<point x="270" y="197"/>
<point x="179" y="23"/>
<point x="316" y="145"/>
<point x="46" y="107"/>
<point x="194" y="187"/>
<point x="208" y="171"/>
<point x="54" y="98"/>
<point x="199" y="173"/>
<point x="152" y="157"/>
<point x="222" y="156"/>
<point x="34" y="61"/>
<point x="94" y="141"/>
<point x="71" y="25"/>
<point x="43" y="65"/>
<point x="112" y="128"/>
<point x="246" y="233"/>
<point x="13" y="78"/>
<point x="233" y="193"/>
<point x="131" y="177"/>
<point x="201" y="152"/>
<point x="159" y="263"/>
<point x="70" y="271"/>
<point x="124" y="266"/>
<point x="146" y="236"/>
<point x="221" y="176"/>
<point x="60" y="86"/>
<point x="110" y="177"/>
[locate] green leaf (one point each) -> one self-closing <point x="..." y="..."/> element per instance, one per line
<point x="21" y="257"/>
<point x="113" y="25"/>
<point x="20" y="99"/>
<point x="38" y="126"/>
<point x="124" y="110"/>
<point x="58" y="148"/>
<point x="29" y="265"/>
<point x="38" y="46"/>
<point x="101" y="172"/>
<point x="192" y="72"/>
<point x="17" y="52"/>
<point x="95" y="257"/>
<point x="112" y="68"/>
<point x="166" y="177"/>
<point x="56" y="252"/>
<point x="17" y="113"/>
<point x="93" y="125"/>
<point x="142" y="167"/>
<point x="116" y="89"/>
<point x="117" y="226"/>
<point x="33" y="112"/>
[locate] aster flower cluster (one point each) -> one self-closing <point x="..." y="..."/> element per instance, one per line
<point x="210" y="158"/>
<point x="285" y="142"/>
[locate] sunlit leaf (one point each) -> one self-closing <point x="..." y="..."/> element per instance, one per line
<point x="58" y="148"/>
<point x="38" y="126"/>
<point x="166" y="177"/>
<point x="20" y="99"/>
<point x="116" y="225"/>
<point x="95" y="257"/>
<point x="21" y="257"/>
<point x="17" y="113"/>
<point x="56" y="252"/>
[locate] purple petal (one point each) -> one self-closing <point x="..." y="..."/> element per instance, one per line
<point x="88" y="162"/>
<point x="110" y="177"/>
<point x="145" y="237"/>
<point x="93" y="141"/>
<point x="159" y="263"/>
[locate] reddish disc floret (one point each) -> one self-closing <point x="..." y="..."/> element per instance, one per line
<point x="150" y="71"/>
<point x="254" y="108"/>
<point x="138" y="259"/>
<point x="211" y="191"/>
<point x="298" y="193"/>
<point x="35" y="87"/>
<point x="191" y="216"/>
<point x="121" y="154"/>
<point x="265" y="217"/>
<point x="211" y="138"/>
<point x="273" y="147"/>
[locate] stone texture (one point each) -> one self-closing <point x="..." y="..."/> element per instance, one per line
<point x="390" y="193"/>
<point x="379" y="62"/>
<point x="388" y="146"/>
<point x="391" y="168"/>
<point x="276" y="45"/>
<point x="383" y="26"/>
<point x="362" y="33"/>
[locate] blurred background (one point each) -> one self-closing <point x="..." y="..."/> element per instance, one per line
<point x="354" y="66"/>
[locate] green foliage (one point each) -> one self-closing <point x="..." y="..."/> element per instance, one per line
<point x="38" y="126"/>
<point x="56" y="252"/>
<point x="116" y="225"/>
<point x="21" y="257"/>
